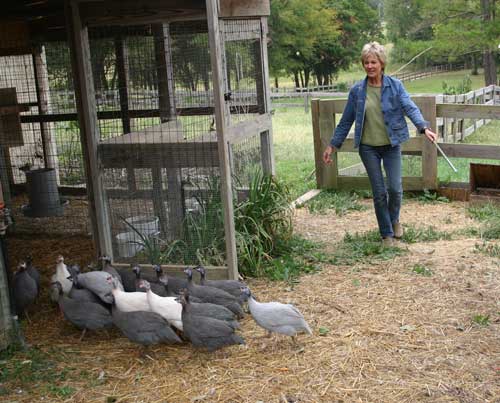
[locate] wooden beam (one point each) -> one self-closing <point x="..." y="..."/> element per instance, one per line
<point x="266" y="137"/>
<point x="133" y="113"/>
<point x="216" y="58"/>
<point x="213" y="272"/>
<point x="429" y="152"/>
<point x="42" y="94"/>
<point x="166" y="93"/>
<point x="136" y="12"/>
<point x="249" y="128"/>
<point x="89" y="129"/>
<point x="244" y="8"/>
<point x="323" y="114"/>
<point x="471" y="150"/>
<point x="466" y="111"/>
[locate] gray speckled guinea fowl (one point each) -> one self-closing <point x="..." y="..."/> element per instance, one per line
<point x="83" y="314"/>
<point x="276" y="317"/>
<point x="25" y="289"/>
<point x="232" y="287"/>
<point x="213" y="295"/>
<point x="158" y="289"/>
<point x="33" y="271"/>
<point x="206" y="332"/>
<point x="145" y="328"/>
<point x="174" y="284"/>
<point x="96" y="281"/>
<point x="107" y="267"/>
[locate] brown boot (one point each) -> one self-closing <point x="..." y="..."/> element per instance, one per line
<point x="398" y="230"/>
<point x="388" y="242"/>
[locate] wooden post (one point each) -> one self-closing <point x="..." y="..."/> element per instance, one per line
<point x="216" y="59"/>
<point x="429" y="152"/>
<point x="323" y="118"/>
<point x="121" y="53"/>
<point x="166" y="98"/>
<point x="43" y="101"/>
<point x="89" y="128"/>
<point x="266" y="137"/>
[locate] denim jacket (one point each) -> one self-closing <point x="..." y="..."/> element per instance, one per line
<point x="395" y="104"/>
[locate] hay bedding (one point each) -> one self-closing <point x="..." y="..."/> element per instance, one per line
<point x="388" y="335"/>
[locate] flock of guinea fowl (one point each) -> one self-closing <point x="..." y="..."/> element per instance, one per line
<point x="155" y="308"/>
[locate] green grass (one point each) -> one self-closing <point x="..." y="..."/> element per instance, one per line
<point x="434" y="84"/>
<point x="413" y="234"/>
<point x="481" y="320"/>
<point x="488" y="249"/>
<point x="362" y="248"/>
<point x="421" y="270"/>
<point x="489" y="215"/>
<point x="338" y="201"/>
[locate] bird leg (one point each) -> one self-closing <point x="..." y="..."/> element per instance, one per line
<point x="27" y="316"/>
<point x="83" y="334"/>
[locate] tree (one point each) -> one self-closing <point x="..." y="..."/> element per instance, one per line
<point x="296" y="28"/>
<point x="462" y="27"/>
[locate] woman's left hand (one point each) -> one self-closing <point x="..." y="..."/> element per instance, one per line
<point x="431" y="136"/>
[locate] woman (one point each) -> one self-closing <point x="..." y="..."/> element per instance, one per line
<point x="378" y="105"/>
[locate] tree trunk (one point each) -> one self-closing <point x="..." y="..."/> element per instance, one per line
<point x="301" y="79"/>
<point x="276" y="82"/>
<point x="296" y="78"/>
<point x="307" y="74"/>
<point x="474" y="65"/>
<point x="490" y="68"/>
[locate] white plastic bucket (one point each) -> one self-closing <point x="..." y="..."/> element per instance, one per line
<point x="146" y="225"/>
<point x="128" y="244"/>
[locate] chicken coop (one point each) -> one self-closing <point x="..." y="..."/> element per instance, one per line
<point x="139" y="123"/>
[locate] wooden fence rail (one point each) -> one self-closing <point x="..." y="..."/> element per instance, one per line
<point x="324" y="121"/>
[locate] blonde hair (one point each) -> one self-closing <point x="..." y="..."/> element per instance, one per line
<point x="374" y="49"/>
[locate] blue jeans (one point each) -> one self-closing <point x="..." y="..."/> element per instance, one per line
<point x="387" y="201"/>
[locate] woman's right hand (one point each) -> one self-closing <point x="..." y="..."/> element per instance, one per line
<point x="327" y="154"/>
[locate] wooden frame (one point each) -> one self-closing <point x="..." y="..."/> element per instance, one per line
<point x="328" y="177"/>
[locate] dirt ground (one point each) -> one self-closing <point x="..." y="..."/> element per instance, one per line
<point x="381" y="333"/>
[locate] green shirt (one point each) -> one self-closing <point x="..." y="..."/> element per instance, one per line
<point x="374" y="131"/>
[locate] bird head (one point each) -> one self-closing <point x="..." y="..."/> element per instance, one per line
<point x="188" y="272"/>
<point x="60" y="259"/>
<point x="163" y="279"/>
<point x="246" y="291"/>
<point x="144" y="284"/>
<point x="105" y="259"/>
<point x="22" y="266"/>
<point x="56" y="285"/>
<point x="201" y="270"/>
<point x="137" y="270"/>
<point x="157" y="268"/>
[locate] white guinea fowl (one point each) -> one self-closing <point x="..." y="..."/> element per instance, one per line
<point x="128" y="301"/>
<point x="167" y="307"/>
<point x="61" y="275"/>
<point x="276" y="317"/>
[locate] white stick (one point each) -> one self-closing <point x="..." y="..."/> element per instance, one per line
<point x="445" y="157"/>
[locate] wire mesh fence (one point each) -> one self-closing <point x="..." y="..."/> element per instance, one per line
<point x="158" y="150"/>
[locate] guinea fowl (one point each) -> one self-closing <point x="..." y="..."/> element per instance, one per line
<point x="232" y="287"/>
<point x="97" y="282"/>
<point x="83" y="314"/>
<point x="107" y="267"/>
<point x="174" y="284"/>
<point x="128" y="278"/>
<point x="206" y="332"/>
<point x="128" y="301"/>
<point x="276" y="317"/>
<point x="61" y="275"/>
<point x="81" y="294"/>
<point x="25" y="289"/>
<point x="213" y="295"/>
<point x="144" y="328"/>
<point x="33" y="271"/>
<point x="206" y="308"/>
<point x="166" y="307"/>
<point x="158" y="289"/>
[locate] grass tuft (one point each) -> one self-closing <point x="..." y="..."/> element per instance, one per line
<point x="365" y="247"/>
<point x="413" y="234"/>
<point x="340" y="202"/>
